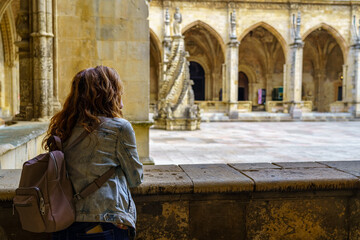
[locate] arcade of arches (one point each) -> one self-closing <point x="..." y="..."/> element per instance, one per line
<point x="284" y="58"/>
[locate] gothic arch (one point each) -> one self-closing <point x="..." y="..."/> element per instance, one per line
<point x="206" y="47"/>
<point x="271" y="29"/>
<point x="9" y="80"/>
<point x="250" y="73"/>
<point x="211" y="30"/>
<point x="155" y="62"/>
<point x="323" y="60"/>
<point x="7" y="28"/>
<point x="334" y="33"/>
<point x="4" y="6"/>
<point x="157" y="43"/>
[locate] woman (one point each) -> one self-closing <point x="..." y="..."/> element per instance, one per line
<point x="94" y="105"/>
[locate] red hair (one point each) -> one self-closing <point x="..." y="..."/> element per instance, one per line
<point x="94" y="92"/>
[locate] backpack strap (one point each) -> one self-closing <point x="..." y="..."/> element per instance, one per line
<point x="95" y="185"/>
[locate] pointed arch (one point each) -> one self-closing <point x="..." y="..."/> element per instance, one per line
<point x="3" y="7"/>
<point x="7" y="28"/>
<point x="211" y="30"/>
<point x="334" y="33"/>
<point x="154" y="39"/>
<point x="271" y="29"/>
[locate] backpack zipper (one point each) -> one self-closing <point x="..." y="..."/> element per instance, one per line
<point x="55" y="163"/>
<point x="42" y="201"/>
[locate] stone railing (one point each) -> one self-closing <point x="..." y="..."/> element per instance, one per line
<point x="20" y="142"/>
<point x="311" y="200"/>
<point x="212" y="106"/>
<point x="275" y="106"/>
<point x="244" y="106"/>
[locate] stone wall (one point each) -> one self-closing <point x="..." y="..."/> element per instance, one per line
<point x="114" y="33"/>
<point x="309" y="200"/>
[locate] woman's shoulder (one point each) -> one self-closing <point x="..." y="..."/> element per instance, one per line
<point x="116" y="122"/>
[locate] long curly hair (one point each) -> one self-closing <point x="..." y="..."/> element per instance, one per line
<point x="94" y="92"/>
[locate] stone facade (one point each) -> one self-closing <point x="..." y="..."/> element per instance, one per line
<point x="307" y="49"/>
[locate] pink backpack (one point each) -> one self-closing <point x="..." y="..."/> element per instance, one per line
<point x="45" y="199"/>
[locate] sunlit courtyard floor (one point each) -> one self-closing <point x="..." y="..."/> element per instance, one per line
<point x="230" y="142"/>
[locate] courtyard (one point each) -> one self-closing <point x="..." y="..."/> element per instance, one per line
<point x="245" y="142"/>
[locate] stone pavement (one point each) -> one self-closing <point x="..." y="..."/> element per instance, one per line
<point x="237" y="142"/>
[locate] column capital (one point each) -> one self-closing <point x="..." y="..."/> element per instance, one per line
<point x="298" y="43"/>
<point x="233" y="43"/>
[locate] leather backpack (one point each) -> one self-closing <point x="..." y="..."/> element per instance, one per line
<point x="45" y="199"/>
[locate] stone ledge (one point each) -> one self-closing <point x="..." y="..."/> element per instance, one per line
<point x="232" y="178"/>
<point x="19" y="134"/>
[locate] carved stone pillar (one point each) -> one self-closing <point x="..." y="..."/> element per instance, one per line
<point x="269" y="78"/>
<point x="26" y="86"/>
<point x="356" y="80"/>
<point x="319" y="75"/>
<point x="232" y="62"/>
<point x="42" y="58"/>
<point x="230" y="93"/>
<point x="294" y="73"/>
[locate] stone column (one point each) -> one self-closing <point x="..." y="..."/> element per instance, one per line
<point x="354" y="72"/>
<point x="294" y="73"/>
<point x="42" y="57"/>
<point x="230" y="93"/>
<point x="356" y="80"/>
<point x="26" y="85"/>
<point x="56" y="103"/>
<point x="269" y="78"/>
<point x="319" y="75"/>
<point x="345" y="83"/>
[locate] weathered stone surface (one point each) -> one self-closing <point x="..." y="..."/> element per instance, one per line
<point x="217" y="178"/>
<point x="14" y="136"/>
<point x="161" y="179"/>
<point x="354" y="218"/>
<point x="299" y="164"/>
<point x="163" y="220"/>
<point x="9" y="180"/>
<point x="317" y="218"/>
<point x="253" y="166"/>
<point x="352" y="167"/>
<point x="301" y="179"/>
<point x="217" y="219"/>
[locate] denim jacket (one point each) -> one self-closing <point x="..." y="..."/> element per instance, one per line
<point x="111" y="144"/>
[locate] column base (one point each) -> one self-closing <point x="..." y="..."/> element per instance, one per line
<point x="296" y="110"/>
<point x="233" y="110"/>
<point x="141" y="129"/>
<point x="178" y="124"/>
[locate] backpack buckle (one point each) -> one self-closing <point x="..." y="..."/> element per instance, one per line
<point x="77" y="196"/>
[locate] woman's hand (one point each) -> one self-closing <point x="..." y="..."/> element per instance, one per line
<point x="122" y="226"/>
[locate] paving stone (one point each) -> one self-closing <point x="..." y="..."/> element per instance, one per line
<point x="253" y="166"/>
<point x="258" y="142"/>
<point x="161" y="179"/>
<point x="299" y="164"/>
<point x="9" y="180"/>
<point x="217" y="178"/>
<point x="302" y="179"/>
<point x="352" y="167"/>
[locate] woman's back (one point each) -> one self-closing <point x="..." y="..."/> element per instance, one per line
<point x="111" y="144"/>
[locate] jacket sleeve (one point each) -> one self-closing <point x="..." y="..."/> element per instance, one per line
<point x="128" y="156"/>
